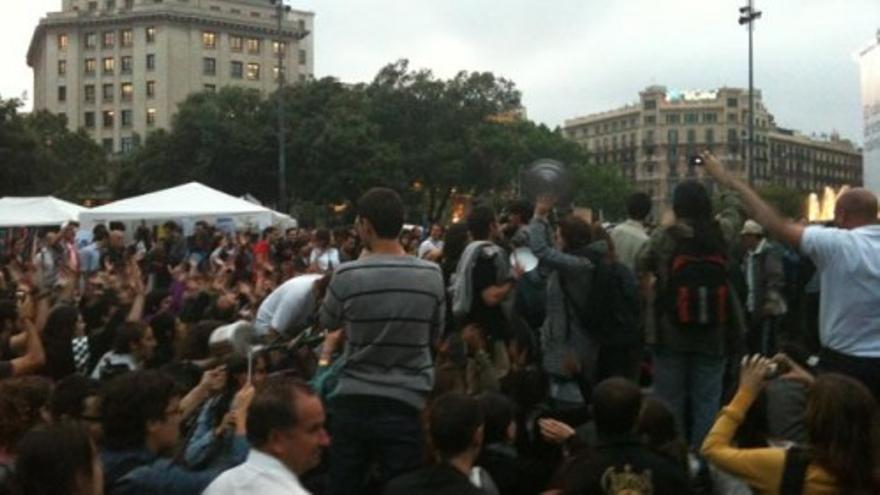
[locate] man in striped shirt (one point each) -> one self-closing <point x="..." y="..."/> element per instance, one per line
<point x="391" y="307"/>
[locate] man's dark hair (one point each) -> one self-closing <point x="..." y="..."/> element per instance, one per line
<point x="522" y="208"/>
<point x="52" y="458"/>
<point x="638" y="206"/>
<point x="499" y="411"/>
<point x="322" y="235"/>
<point x="99" y="233"/>
<point x="383" y="208"/>
<point x="268" y="231"/>
<point x="690" y="200"/>
<point x="130" y="333"/>
<point x="70" y="394"/>
<point x="274" y="408"/>
<point x="480" y="220"/>
<point x="616" y="406"/>
<point x="129" y="402"/>
<point x="115" y="225"/>
<point x="452" y="421"/>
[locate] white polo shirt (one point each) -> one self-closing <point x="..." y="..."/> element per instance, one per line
<point x="848" y="262"/>
<point x="262" y="474"/>
<point x="288" y="306"/>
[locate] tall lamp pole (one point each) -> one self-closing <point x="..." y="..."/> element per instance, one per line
<point x="280" y="10"/>
<point x="748" y="15"/>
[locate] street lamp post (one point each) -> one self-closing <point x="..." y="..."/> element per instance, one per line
<point x="280" y="10"/>
<point x="748" y="15"/>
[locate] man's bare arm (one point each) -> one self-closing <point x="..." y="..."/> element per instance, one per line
<point x="778" y="226"/>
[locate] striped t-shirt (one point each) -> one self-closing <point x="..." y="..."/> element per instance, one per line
<point x="392" y="309"/>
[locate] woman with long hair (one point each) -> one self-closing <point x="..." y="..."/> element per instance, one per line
<point x="58" y="460"/>
<point x="842" y="454"/>
<point x="63" y="325"/>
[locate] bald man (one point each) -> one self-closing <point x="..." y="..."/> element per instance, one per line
<point x="847" y="258"/>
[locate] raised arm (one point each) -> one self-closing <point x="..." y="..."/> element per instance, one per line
<point x="780" y="227"/>
<point x="540" y="239"/>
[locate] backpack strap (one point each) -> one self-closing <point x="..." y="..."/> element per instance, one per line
<point x="794" y="472"/>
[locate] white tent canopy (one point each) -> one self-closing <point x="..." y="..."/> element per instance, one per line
<point x="36" y="211"/>
<point x="186" y="203"/>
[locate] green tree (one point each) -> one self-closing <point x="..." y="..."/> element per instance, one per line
<point x="789" y="202"/>
<point x="603" y="189"/>
<point x="41" y="156"/>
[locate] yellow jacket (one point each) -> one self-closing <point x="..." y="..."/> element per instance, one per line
<point x="760" y="468"/>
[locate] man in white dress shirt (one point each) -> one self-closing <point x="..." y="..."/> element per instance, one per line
<point x="285" y="426"/>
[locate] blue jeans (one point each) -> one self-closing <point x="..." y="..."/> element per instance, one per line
<point x="371" y="430"/>
<point x="682" y="379"/>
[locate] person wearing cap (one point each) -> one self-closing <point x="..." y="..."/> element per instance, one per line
<point x="765" y="282"/>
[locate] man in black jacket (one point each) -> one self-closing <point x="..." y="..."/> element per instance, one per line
<point x="455" y="424"/>
<point x="620" y="462"/>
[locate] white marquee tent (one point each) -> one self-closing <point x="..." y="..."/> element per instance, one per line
<point x="37" y="211"/>
<point x="186" y="204"/>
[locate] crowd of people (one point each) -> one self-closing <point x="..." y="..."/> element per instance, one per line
<point x="384" y="359"/>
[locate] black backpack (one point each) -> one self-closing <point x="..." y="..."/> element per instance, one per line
<point x="696" y="295"/>
<point x="610" y="311"/>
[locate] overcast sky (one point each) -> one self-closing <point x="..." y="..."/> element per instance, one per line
<point x="574" y="57"/>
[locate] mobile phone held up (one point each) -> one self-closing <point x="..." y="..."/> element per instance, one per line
<point x="696" y="161"/>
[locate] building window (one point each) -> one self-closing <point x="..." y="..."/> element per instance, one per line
<point x="672" y="137"/>
<point x="90" y="93"/>
<point x="650" y="104"/>
<point x="215" y="8"/>
<point x="650" y="120"/>
<point x="731" y="118"/>
<point x="209" y="39"/>
<point x="108" y="116"/>
<point x="301" y="24"/>
<point x="691" y="118"/>
<point x="255" y="14"/>
<point x="209" y="66"/>
<point x="63" y="41"/>
<point x="253" y="72"/>
<point x="276" y="73"/>
<point x="151" y="61"/>
<point x="710" y="136"/>
<point x="151" y="89"/>
<point x="127" y="144"/>
<point x="279" y="47"/>
<point x="107" y="144"/>
<point x="237" y="71"/>
<point x="91" y="66"/>
<point x="235" y="11"/>
<point x="108" y="39"/>
<point x="109" y="64"/>
<point x="691" y="136"/>
<point x="91" y="40"/>
<point x="151" y="34"/>
<point x="107" y="92"/>
<point x="127" y="91"/>
<point x="62" y="93"/>
<point x="93" y="6"/>
<point x="127" y="64"/>
<point x="129" y="4"/>
<point x="126" y="118"/>
<point x="210" y="88"/>
<point x="710" y="118"/>
<point x="672" y="118"/>
<point x="126" y="38"/>
<point x="732" y="102"/>
<point x="303" y="57"/>
<point x="110" y="4"/>
<point x="151" y="116"/>
<point x="89" y="120"/>
<point x="62" y="67"/>
<point x="236" y="43"/>
<point x="253" y="45"/>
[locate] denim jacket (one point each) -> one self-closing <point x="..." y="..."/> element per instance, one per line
<point x="140" y="472"/>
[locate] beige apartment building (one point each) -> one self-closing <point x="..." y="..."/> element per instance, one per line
<point x="653" y="140"/>
<point x="119" y="68"/>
